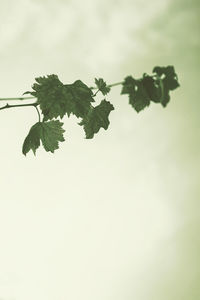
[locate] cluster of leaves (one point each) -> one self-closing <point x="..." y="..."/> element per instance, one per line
<point x="56" y="99"/>
<point x="154" y="88"/>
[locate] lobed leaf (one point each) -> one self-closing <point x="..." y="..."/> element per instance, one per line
<point x="49" y="133"/>
<point x="168" y="82"/>
<point x="96" y="118"/>
<point x="154" y="88"/>
<point x="79" y="97"/>
<point x="138" y="96"/>
<point x="56" y="99"/>
<point x="101" y="85"/>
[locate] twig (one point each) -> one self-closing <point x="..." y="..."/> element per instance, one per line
<point x="109" y="85"/>
<point x="16" y="99"/>
<point x="27" y="98"/>
<point x="18" y="105"/>
<point x="38" y="112"/>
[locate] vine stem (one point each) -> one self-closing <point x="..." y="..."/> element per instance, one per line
<point x="38" y="112"/>
<point x="114" y="84"/>
<point x="92" y="88"/>
<point x="26" y="98"/>
<point x="35" y="104"/>
<point x="16" y="99"/>
<point x="18" y="105"/>
<point x="108" y="85"/>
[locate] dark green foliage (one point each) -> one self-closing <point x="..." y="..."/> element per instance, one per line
<point x="154" y="88"/>
<point x="78" y="97"/>
<point x="97" y="118"/>
<point x="50" y="95"/>
<point x="56" y="100"/>
<point x="50" y="133"/>
<point x="101" y="85"/>
<point x="151" y="85"/>
<point x="137" y="93"/>
<point x="168" y="82"/>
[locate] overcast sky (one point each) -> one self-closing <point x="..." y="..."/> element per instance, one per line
<point x="115" y="217"/>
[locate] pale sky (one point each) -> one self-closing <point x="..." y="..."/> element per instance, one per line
<point x="115" y="217"/>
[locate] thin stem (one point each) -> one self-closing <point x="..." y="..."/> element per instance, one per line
<point x="16" y="99"/>
<point x="38" y="113"/>
<point x="32" y="97"/>
<point x="114" y="84"/>
<point x="96" y="93"/>
<point x="109" y="85"/>
<point x="35" y="104"/>
<point x="18" y="105"/>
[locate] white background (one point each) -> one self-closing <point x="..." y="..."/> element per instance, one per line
<point x="115" y="217"/>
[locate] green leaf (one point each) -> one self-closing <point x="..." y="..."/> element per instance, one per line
<point x="168" y="82"/>
<point x="79" y="98"/>
<point x="101" y="85"/>
<point x="128" y="86"/>
<point x="97" y="118"/>
<point x="56" y="99"/>
<point x="152" y="88"/>
<point x="50" y="133"/>
<point x="138" y="96"/>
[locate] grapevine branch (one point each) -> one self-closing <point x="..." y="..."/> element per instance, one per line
<point x="26" y="98"/>
<point x="14" y="99"/>
<point x="55" y="100"/>
<point x="19" y="105"/>
<point x="35" y="104"/>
